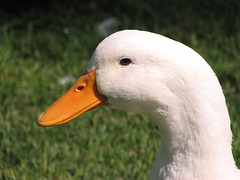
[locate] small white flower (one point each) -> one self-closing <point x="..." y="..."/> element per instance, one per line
<point x="107" y="26"/>
<point x="66" y="30"/>
<point x="66" y="79"/>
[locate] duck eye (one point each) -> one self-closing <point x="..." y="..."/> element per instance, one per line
<point x="125" y="61"/>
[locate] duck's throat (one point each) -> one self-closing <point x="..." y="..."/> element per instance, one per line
<point x="193" y="146"/>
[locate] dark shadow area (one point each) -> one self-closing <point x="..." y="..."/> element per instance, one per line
<point x="183" y="13"/>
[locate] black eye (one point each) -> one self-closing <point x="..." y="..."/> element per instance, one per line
<point x="125" y="61"/>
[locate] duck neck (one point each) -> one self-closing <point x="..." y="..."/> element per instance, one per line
<point x="194" y="143"/>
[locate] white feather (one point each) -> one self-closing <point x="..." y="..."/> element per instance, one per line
<point x="174" y="85"/>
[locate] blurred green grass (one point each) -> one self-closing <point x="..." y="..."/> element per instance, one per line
<point x="38" y="46"/>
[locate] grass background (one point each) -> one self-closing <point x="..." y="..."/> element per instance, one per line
<point x="41" y="42"/>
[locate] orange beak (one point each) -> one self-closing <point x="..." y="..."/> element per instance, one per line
<point x="81" y="97"/>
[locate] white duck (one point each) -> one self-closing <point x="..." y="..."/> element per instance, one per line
<point x="150" y="74"/>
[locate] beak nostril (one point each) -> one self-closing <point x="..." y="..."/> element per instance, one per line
<point x="80" y="88"/>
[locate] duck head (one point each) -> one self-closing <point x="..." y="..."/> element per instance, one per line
<point x="135" y="71"/>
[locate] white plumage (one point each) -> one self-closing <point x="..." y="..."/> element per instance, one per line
<point x="174" y="85"/>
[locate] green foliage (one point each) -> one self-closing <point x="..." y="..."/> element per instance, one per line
<point x="40" y="46"/>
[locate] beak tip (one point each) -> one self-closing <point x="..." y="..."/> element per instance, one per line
<point x="40" y="119"/>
